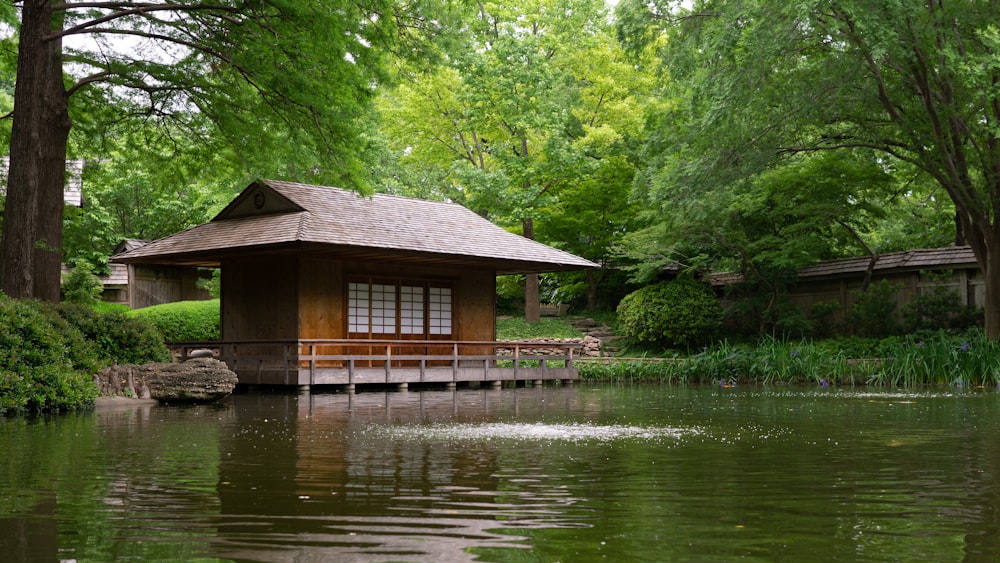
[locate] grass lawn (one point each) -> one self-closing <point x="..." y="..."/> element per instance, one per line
<point x="516" y="328"/>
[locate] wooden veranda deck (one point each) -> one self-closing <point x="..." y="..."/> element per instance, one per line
<point x="355" y="362"/>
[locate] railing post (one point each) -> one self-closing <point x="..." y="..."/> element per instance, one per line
<point x="517" y="360"/>
<point x="388" y="361"/>
<point x="312" y="364"/>
<point x="285" y="358"/>
<point x="454" y="362"/>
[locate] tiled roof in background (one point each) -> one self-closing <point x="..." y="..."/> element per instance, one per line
<point x="920" y="259"/>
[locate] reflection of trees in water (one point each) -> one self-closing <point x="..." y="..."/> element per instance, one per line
<point x="96" y="471"/>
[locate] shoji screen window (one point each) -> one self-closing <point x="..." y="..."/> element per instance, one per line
<point x="439" y="311"/>
<point x="411" y="310"/>
<point x="406" y="308"/>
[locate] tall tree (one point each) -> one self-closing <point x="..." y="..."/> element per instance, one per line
<point x="299" y="73"/>
<point x="532" y="111"/>
<point x="914" y="81"/>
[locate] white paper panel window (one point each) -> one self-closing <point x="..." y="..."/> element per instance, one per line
<point x="357" y="305"/>
<point x="439" y="310"/>
<point x="411" y="310"/>
<point x="383" y="309"/>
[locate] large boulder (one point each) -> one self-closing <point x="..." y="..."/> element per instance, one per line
<point x="196" y="380"/>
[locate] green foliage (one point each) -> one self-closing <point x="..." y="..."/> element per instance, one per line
<point x="212" y="285"/>
<point x="873" y="313"/>
<point x="81" y="286"/>
<point x="510" y="295"/>
<point x="678" y="314"/>
<point x="756" y="85"/>
<point x="45" y="364"/>
<point x="115" y="336"/>
<point x="533" y="121"/>
<point x="184" y="321"/>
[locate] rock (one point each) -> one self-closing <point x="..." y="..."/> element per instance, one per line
<point x="196" y="380"/>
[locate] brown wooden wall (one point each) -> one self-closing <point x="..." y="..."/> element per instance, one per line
<point x="260" y="299"/>
<point x="322" y="313"/>
<point x="323" y="296"/>
<point x="290" y="298"/>
<point x="153" y="285"/>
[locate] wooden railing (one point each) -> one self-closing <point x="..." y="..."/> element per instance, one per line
<point x="416" y="358"/>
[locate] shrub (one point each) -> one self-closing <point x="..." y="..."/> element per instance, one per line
<point x="940" y="307"/>
<point x="45" y="363"/>
<point x="81" y="286"/>
<point x="822" y="314"/>
<point x="874" y="312"/>
<point x="183" y="321"/>
<point x="115" y="336"/>
<point x="677" y="314"/>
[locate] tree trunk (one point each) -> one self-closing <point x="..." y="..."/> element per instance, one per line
<point x="991" y="275"/>
<point x="33" y="219"/>
<point x="986" y="247"/>
<point x="532" y="307"/>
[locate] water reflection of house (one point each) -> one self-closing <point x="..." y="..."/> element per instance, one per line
<point x="323" y="286"/>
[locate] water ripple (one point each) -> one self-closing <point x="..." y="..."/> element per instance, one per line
<point x="576" y="432"/>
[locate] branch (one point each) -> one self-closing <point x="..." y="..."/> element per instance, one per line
<point x="132" y="10"/>
<point x="97" y="77"/>
<point x="873" y="258"/>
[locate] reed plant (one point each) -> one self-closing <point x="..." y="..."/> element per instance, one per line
<point x="940" y="358"/>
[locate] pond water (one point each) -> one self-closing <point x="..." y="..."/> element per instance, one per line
<point x="578" y="473"/>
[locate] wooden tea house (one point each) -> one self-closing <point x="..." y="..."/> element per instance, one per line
<point x="322" y="286"/>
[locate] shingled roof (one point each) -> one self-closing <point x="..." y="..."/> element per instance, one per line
<point x="271" y="216"/>
<point x="919" y="259"/>
<point x="908" y="260"/>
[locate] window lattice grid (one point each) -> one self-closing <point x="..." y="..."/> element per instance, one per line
<point x="411" y="310"/>
<point x="383" y="310"/>
<point x="439" y="310"/>
<point x="357" y="305"/>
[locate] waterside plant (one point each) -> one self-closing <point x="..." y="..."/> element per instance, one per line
<point x="939" y="358"/>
